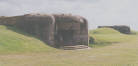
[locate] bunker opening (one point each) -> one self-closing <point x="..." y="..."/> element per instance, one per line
<point x="66" y="37"/>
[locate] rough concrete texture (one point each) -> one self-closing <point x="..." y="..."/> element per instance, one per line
<point x="73" y="29"/>
<point x="121" y="28"/>
<point x="54" y="29"/>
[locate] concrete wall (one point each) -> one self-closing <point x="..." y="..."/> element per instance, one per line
<point x="78" y="24"/>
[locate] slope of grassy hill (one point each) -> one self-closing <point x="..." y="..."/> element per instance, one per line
<point x="106" y="36"/>
<point x="104" y="31"/>
<point x="122" y="50"/>
<point x="116" y="54"/>
<point x="13" y="41"/>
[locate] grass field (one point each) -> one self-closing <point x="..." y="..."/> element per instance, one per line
<point x="120" y="50"/>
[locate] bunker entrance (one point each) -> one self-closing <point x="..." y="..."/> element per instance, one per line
<point x="65" y="37"/>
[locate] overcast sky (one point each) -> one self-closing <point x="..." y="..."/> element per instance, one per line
<point x="97" y="12"/>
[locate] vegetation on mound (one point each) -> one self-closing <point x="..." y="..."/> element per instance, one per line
<point x="104" y="31"/>
<point x="134" y="32"/>
<point x="122" y="54"/>
<point x="13" y="41"/>
<point x="106" y="36"/>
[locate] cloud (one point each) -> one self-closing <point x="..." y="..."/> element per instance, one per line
<point x="98" y="12"/>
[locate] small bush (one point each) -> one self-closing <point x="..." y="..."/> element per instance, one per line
<point x="91" y="40"/>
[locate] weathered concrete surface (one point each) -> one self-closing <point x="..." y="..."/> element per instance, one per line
<point x="54" y="29"/>
<point x="121" y="28"/>
<point x="75" y="26"/>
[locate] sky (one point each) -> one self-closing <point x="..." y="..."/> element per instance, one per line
<point x="97" y="12"/>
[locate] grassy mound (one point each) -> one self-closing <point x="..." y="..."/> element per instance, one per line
<point x="13" y="41"/>
<point x="106" y="36"/>
<point x="104" y="31"/>
<point x="134" y="32"/>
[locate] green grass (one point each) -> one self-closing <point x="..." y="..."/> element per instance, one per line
<point x="14" y="41"/>
<point x="104" y="31"/>
<point x="107" y="36"/>
<point x="117" y="54"/>
<point x="134" y="32"/>
<point x="120" y="50"/>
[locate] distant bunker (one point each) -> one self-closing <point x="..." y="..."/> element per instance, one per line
<point x="121" y="28"/>
<point x="56" y="29"/>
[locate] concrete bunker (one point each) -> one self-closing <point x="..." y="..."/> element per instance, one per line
<point x="54" y="29"/>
